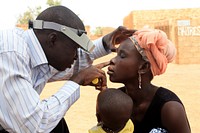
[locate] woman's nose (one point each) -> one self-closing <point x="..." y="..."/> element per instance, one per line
<point x="112" y="61"/>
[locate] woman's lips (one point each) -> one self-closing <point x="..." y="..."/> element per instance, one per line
<point x="110" y="70"/>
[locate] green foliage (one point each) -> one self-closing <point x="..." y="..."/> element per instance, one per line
<point x="31" y="14"/>
<point x="54" y="2"/>
<point x="98" y="31"/>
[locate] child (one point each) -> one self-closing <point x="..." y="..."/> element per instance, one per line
<point x="113" y="112"/>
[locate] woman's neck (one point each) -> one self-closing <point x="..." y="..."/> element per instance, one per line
<point x="138" y="95"/>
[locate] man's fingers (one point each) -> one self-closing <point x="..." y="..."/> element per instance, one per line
<point x="129" y="32"/>
<point x="122" y="34"/>
<point x="102" y="84"/>
<point x="104" y="80"/>
<point x="102" y="65"/>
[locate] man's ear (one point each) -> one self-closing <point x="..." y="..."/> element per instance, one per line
<point x="52" y="39"/>
<point x="144" y="67"/>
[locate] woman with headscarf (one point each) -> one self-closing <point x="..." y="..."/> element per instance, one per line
<point x="140" y="58"/>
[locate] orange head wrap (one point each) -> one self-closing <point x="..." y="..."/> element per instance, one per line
<point x="158" y="49"/>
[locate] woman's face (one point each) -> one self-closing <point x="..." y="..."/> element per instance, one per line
<point x="124" y="67"/>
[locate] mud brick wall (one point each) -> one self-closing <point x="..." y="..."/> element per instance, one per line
<point x="181" y="25"/>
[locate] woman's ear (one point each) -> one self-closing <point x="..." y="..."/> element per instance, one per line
<point x="144" y="67"/>
<point x="52" y="39"/>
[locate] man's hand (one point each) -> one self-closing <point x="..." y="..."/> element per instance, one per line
<point x="87" y="75"/>
<point x="116" y="37"/>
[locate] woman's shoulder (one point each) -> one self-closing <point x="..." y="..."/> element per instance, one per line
<point x="174" y="116"/>
<point x="166" y="95"/>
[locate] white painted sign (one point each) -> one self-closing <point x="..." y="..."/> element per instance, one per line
<point x="183" y="22"/>
<point x="189" y="31"/>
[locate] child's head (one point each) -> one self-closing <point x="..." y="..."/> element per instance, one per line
<point x="114" y="108"/>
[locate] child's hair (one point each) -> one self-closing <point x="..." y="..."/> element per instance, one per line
<point x="114" y="108"/>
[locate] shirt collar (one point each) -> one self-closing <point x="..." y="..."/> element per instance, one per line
<point x="37" y="54"/>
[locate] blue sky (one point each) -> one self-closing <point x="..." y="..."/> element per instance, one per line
<point x="93" y="12"/>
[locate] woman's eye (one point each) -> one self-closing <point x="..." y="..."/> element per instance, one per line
<point x="122" y="55"/>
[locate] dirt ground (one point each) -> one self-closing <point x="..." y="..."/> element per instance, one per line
<point x="182" y="79"/>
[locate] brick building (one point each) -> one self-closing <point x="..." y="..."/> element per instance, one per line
<point x="104" y="31"/>
<point x="181" y="25"/>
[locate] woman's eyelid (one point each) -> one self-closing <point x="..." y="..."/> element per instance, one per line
<point x="122" y="54"/>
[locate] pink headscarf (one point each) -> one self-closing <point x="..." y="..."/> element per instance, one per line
<point x="158" y="49"/>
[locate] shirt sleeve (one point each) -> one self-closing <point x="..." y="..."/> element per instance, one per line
<point x="99" y="50"/>
<point x="21" y="109"/>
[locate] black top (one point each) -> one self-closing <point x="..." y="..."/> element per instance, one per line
<point x="152" y="117"/>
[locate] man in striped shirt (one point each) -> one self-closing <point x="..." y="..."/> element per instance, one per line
<point x="55" y="48"/>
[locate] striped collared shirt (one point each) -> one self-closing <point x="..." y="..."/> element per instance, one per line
<point x="24" y="71"/>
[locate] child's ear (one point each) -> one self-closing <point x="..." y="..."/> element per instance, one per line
<point x="144" y="67"/>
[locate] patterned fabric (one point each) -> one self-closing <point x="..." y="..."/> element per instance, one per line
<point x="139" y="49"/>
<point x="24" y="71"/>
<point x="158" y="130"/>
